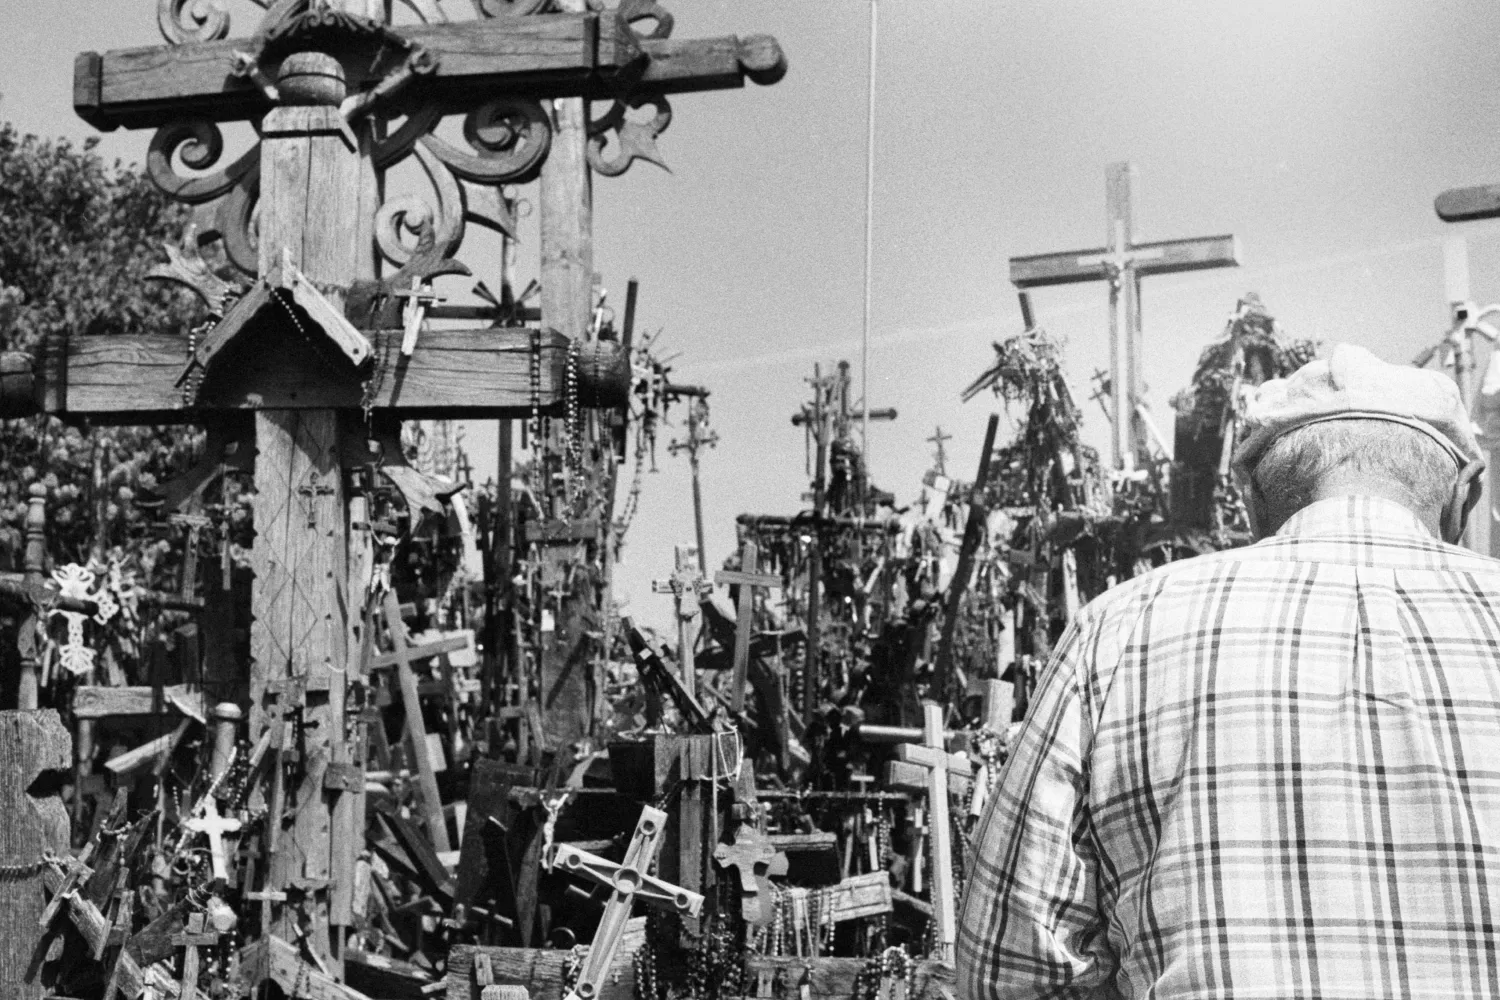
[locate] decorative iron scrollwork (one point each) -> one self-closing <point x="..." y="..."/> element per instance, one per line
<point x="635" y="140"/>
<point x="407" y="214"/>
<point x="200" y="144"/>
<point x="185" y="21"/>
<point x="633" y="12"/>
<point x="511" y="136"/>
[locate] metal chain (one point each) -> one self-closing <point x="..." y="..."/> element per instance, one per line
<point x="8" y="872"/>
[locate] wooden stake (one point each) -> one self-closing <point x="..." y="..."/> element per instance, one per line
<point x="432" y="803"/>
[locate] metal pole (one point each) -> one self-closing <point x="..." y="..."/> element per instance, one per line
<point x="864" y="345"/>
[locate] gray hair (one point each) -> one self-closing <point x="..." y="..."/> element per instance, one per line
<point x="1402" y="456"/>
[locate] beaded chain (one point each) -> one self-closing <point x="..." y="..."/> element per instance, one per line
<point x="372" y="385"/>
<point x="195" y="377"/>
<point x="890" y="965"/>
<point x="534" y="424"/>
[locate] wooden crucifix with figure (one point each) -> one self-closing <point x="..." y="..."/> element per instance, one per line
<point x="318" y="292"/>
<point x="1123" y="262"/>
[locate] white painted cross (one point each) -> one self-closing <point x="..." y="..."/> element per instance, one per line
<point x="211" y="824"/>
<point x="630" y="882"/>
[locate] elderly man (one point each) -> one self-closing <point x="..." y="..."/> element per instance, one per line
<point x="1274" y="771"/>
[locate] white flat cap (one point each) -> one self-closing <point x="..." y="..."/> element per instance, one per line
<point x="1353" y="384"/>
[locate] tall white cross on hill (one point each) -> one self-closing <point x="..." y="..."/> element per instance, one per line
<point x="1123" y="263"/>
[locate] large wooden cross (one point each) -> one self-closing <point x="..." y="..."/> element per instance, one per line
<point x="748" y="579"/>
<point x="307" y="333"/>
<point x="1123" y="262"/>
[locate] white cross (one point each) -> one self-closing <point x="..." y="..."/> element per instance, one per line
<point x="208" y="821"/>
<point x="629" y="882"/>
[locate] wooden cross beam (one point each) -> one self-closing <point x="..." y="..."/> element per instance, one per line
<point x="1123" y="262"/>
<point x="630" y="882"/>
<point x="554" y="55"/>
<point x="748" y="579"/>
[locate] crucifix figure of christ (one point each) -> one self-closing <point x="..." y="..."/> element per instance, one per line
<point x="685" y="585"/>
<point x="749" y="579"/>
<point x="630" y="881"/>
<point x="303" y="352"/>
<point x="1123" y="262"/>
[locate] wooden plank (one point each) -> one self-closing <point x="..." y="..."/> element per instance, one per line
<point x="540" y="970"/>
<point x="411" y="703"/>
<point x="149" y="86"/>
<point x="1165" y="257"/>
<point x="447" y="644"/>
<point x="384" y="977"/>
<point x="453" y="374"/>
<point x="858" y="896"/>
<point x="837" y="978"/>
<point x="567" y="55"/>
<point x="112" y="702"/>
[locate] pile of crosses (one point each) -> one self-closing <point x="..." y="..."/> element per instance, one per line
<point x="286" y="799"/>
<point x="319" y="790"/>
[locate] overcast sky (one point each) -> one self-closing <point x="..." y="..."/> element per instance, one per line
<point x="1317" y="131"/>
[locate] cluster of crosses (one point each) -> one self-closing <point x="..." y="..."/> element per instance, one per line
<point x="312" y="353"/>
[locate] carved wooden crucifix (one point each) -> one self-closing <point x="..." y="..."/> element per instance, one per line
<point x="307" y="331"/>
<point x="1123" y="262"/>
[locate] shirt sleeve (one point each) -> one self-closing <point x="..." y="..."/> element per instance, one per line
<point x="1030" y="925"/>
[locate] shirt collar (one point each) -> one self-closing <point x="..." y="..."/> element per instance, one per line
<point x="1367" y="515"/>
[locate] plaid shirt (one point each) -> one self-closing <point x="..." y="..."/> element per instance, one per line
<point x="1268" y="772"/>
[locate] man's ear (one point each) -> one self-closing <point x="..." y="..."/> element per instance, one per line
<point x="1466" y="491"/>
<point x="1255" y="505"/>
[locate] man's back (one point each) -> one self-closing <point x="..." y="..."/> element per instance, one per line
<point x="1273" y="772"/>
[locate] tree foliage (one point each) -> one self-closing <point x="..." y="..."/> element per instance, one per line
<point x="80" y="237"/>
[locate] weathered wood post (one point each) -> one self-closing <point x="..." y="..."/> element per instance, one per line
<point x="32" y="744"/>
<point x="36" y="571"/>
<point x="313" y="177"/>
